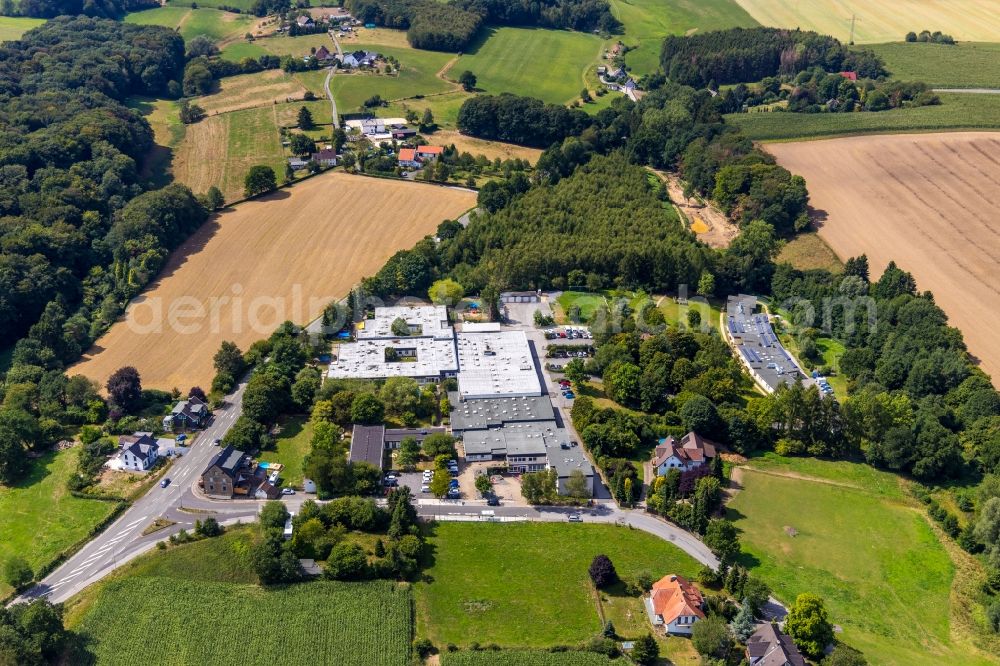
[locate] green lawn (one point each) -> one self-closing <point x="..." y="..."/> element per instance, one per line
<point x="237" y="51"/>
<point x="38" y="516"/>
<point x="962" y="65"/>
<point x="808" y="251"/>
<point x="956" y="111"/>
<point x="526" y="584"/>
<point x="526" y="658"/>
<point x="587" y="302"/>
<point x="647" y="22"/>
<point x="418" y="76"/>
<point x="252" y="139"/>
<point x="192" y="22"/>
<point x="547" y="64"/>
<point x="12" y="27"/>
<point x="444" y="108"/>
<point x="291" y="447"/>
<point x="868" y="552"/>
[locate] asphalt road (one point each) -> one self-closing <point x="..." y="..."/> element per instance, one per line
<point x="123" y="539"/>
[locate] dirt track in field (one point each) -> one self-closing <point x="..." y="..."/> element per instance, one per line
<point x="929" y="202"/>
<point x="254" y="266"/>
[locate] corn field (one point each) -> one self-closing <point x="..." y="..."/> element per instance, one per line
<point x="146" y="621"/>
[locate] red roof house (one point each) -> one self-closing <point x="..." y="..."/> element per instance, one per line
<point x="675" y="604"/>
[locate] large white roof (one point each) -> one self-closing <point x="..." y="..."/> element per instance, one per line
<point x="496" y="363"/>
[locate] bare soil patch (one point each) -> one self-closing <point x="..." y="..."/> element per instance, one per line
<point x="708" y="222"/>
<point x="926" y="201"/>
<point x="250" y="268"/>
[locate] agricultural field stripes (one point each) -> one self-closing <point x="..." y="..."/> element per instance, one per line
<point x="883" y="21"/>
<point x="341" y="624"/>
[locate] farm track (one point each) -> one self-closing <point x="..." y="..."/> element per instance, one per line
<point x="927" y="202"/>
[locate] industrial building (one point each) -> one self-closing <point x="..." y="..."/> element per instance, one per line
<point x="758" y="347"/>
<point x="496" y="363"/>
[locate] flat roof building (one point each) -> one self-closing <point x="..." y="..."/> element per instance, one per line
<point x="494" y="412"/>
<point x="495" y="364"/>
<point x="423" y="359"/>
<point x="530" y="447"/>
<point x="427" y="321"/>
<point x="758" y="346"/>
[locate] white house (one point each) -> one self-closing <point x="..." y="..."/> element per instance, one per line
<point x="691" y="452"/>
<point x="137" y="452"/>
<point x="674" y="605"/>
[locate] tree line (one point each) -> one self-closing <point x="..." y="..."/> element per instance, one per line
<point x="453" y="25"/>
<point x="113" y="9"/>
<point x="750" y="54"/>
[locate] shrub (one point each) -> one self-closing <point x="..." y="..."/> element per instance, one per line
<point x="602" y="571"/>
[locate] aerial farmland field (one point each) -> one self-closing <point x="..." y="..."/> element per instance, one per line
<point x="286" y="256"/>
<point x="884" y="21"/>
<point x="934" y="197"/>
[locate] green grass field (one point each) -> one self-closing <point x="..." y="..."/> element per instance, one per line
<point x="808" y="251"/>
<point x="526" y="658"/>
<point x="290" y="448"/>
<point x="548" y="64"/>
<point x="417" y="76"/>
<point x="12" y="27"/>
<point x="647" y="22"/>
<point x="962" y="65"/>
<point x="252" y="139"/>
<point x="860" y="545"/>
<point x="956" y="111"/>
<point x="237" y="51"/>
<point x="212" y="23"/>
<point x="587" y="303"/>
<point x="39" y="518"/>
<point x="444" y="107"/>
<point x="526" y="584"/>
<point x="138" y="621"/>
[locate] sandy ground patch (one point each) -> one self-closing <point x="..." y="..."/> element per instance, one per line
<point x="262" y="262"/>
<point x="926" y="201"/>
<point x="491" y="149"/>
<point x="709" y="223"/>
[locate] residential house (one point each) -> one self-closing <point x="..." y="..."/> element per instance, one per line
<point x="266" y="491"/>
<point x="359" y="59"/>
<point x="408" y="158"/>
<point x="425" y="153"/>
<point x="137" y="452"/>
<point x="366" y="444"/>
<point x="297" y="163"/>
<point x="675" y="605"/>
<point x="323" y="54"/>
<point x="769" y="647"/>
<point x="186" y="415"/>
<point x="403" y="133"/>
<point x="229" y="473"/>
<point x="326" y="157"/>
<point x="850" y="76"/>
<point x="305" y="22"/>
<point x="692" y="451"/>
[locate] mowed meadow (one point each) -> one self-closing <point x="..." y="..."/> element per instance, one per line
<point x="935" y="197"/>
<point x="249" y="268"/>
<point x="850" y="534"/>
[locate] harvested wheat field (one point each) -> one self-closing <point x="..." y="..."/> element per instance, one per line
<point x="252" y="90"/>
<point x="491" y="149"/>
<point x="929" y="202"/>
<point x="250" y="268"/>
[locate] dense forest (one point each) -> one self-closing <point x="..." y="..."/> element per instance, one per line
<point x="79" y="235"/>
<point x="451" y="26"/>
<point x="750" y="54"/>
<point x="523" y="120"/>
<point x="92" y="8"/>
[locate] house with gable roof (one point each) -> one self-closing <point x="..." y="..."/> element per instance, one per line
<point x="675" y="604"/>
<point x="138" y="452"/>
<point x="768" y="646"/>
<point x="690" y="452"/>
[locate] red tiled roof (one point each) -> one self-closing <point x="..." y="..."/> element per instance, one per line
<point x="853" y="76"/>
<point x="430" y="150"/>
<point x="673" y="596"/>
<point x="407" y="154"/>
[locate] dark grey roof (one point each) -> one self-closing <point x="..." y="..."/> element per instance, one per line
<point x="758" y="344"/>
<point x="229" y="460"/>
<point x="482" y="413"/>
<point x="140" y="445"/>
<point x="769" y="647"/>
<point x="367" y="444"/>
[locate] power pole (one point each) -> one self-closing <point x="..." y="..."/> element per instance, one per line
<point x="854" y="18"/>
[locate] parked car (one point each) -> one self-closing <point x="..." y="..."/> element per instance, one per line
<point x="288" y="491"/>
<point x="493" y="500"/>
<point x="575" y="518"/>
<point x="453" y="494"/>
<point x="217" y="442"/>
<point x="425" y="488"/>
<point x="165" y="482"/>
<point x="569" y="395"/>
